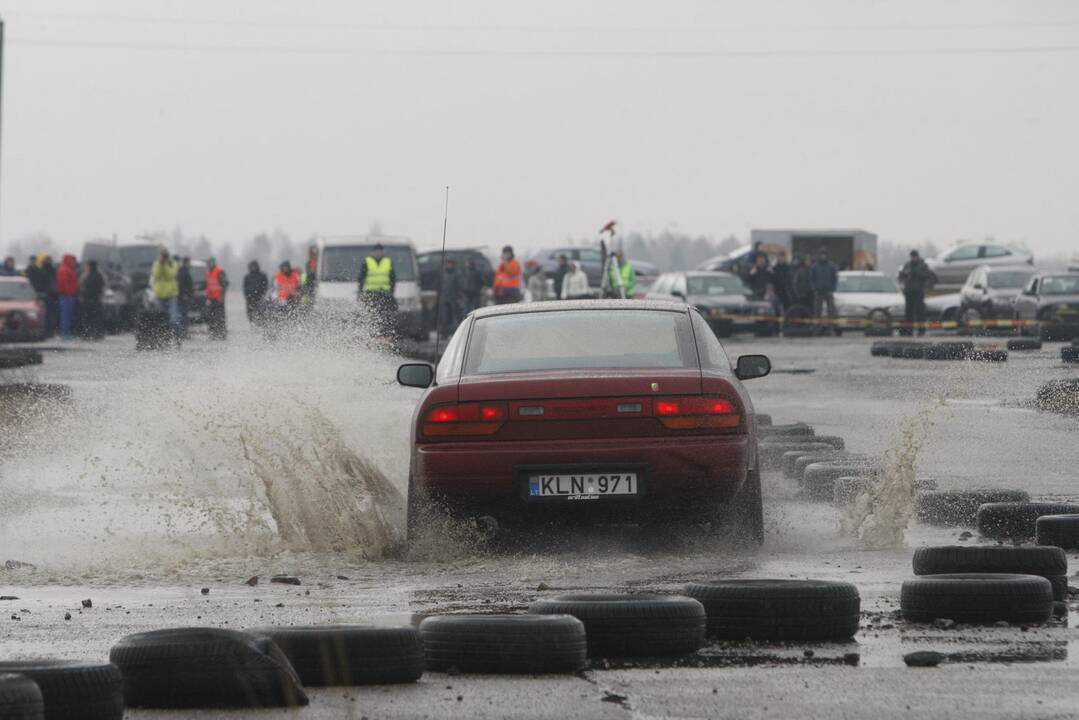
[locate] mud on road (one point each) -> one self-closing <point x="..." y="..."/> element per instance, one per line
<point x="163" y="475"/>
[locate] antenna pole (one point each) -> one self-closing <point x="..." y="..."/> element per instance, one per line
<point x="441" y="274"/>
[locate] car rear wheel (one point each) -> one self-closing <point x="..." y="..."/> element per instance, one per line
<point x="745" y="512"/>
<point x="970" y="322"/>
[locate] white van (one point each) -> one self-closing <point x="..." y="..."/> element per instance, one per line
<point x="340" y="259"/>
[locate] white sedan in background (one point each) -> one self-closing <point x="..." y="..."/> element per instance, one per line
<point x="865" y="297"/>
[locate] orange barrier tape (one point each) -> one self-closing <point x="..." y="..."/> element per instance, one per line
<point x="866" y="322"/>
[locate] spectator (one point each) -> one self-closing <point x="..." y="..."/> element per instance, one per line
<point x="309" y="277"/>
<point x="473" y="286"/>
<point x="256" y="285"/>
<point x="782" y="280"/>
<point x="624" y="280"/>
<point x="760" y="276"/>
<point x="751" y="257"/>
<point x="802" y="283"/>
<point x="825" y="278"/>
<point x="508" y="278"/>
<point x="8" y="268"/>
<point x="451" y="299"/>
<point x="916" y="278"/>
<point x="163" y="279"/>
<point x="67" y="289"/>
<point x="217" y="284"/>
<point x="49" y="293"/>
<point x="91" y="290"/>
<point x="185" y="285"/>
<point x="560" y="272"/>
<point x="575" y="284"/>
<point x="537" y="281"/>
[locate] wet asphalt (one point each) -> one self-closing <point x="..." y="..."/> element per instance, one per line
<point x="979" y="430"/>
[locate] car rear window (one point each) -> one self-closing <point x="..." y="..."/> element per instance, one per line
<point x="580" y="339"/>
<point x="16" y="290"/>
<point x="1061" y="285"/>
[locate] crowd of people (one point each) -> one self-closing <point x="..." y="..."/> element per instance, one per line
<point x="71" y="294"/>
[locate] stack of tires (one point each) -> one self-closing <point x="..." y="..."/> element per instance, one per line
<point x="951" y="350"/>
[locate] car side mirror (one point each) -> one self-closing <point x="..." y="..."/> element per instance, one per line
<point x="678" y="294"/>
<point x="419" y="375"/>
<point x="752" y="366"/>
<point x="1028" y="291"/>
<point x="978" y="286"/>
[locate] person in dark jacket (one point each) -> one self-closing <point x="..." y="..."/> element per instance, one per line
<point x="560" y="274"/>
<point x="474" y="284"/>
<point x="91" y="290"/>
<point x="825" y="278"/>
<point x="186" y="285"/>
<point x="759" y="276"/>
<point x="802" y="283"/>
<point x="256" y="285"/>
<point x="8" y="268"/>
<point x="451" y="301"/>
<point x="781" y="280"/>
<point x="916" y="278"/>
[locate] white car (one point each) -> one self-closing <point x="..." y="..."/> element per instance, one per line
<point x="954" y="266"/>
<point x="864" y="297"/>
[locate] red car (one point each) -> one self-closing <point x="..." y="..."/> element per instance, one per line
<point x="603" y="411"/>
<point x="22" y="315"/>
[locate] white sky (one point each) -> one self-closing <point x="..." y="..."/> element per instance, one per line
<point x="920" y="120"/>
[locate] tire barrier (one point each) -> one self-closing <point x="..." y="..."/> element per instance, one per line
<point x="1024" y="344"/>
<point x="952" y="508"/>
<point x="20" y="698"/>
<point x="1048" y="562"/>
<point x="1069" y="354"/>
<point x="817" y="610"/>
<point x="797" y="429"/>
<point x="1061" y="396"/>
<point x="205" y="667"/>
<point x="625" y="625"/>
<point x="350" y="654"/>
<point x="1017" y="520"/>
<point x="73" y="690"/>
<point x="1061" y="531"/>
<point x="504" y="644"/>
<point x="977" y="598"/>
<point x="771" y="453"/>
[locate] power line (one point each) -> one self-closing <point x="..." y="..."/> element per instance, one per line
<point x="593" y="54"/>
<point x="606" y="28"/>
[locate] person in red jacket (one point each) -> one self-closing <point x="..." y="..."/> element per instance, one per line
<point x="67" y="287"/>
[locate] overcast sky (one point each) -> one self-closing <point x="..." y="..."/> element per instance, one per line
<point x="920" y="120"/>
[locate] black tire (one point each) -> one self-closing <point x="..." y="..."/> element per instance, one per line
<point x="1048" y="562"/>
<point x="798" y="429"/>
<point x="1017" y="520"/>
<point x="20" y="697"/>
<point x="1024" y="344"/>
<point x="914" y="351"/>
<point x="819" y="478"/>
<point x="788" y="462"/>
<point x="74" y="690"/>
<point x="624" y="625"/>
<point x="1061" y="531"/>
<point x="350" y="654"/>
<point x="504" y="644"/>
<point x="952" y="508"/>
<point x="203" y="668"/>
<point x="989" y="356"/>
<point x="977" y="598"/>
<point x="881" y="349"/>
<point x="900" y="346"/>
<point x="745" y="512"/>
<point x="845" y="489"/>
<point x="805" y="461"/>
<point x="817" y="610"/>
<point x="948" y="350"/>
<point x="771" y="452"/>
<point x="1069" y="354"/>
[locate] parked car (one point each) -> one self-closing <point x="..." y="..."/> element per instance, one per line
<point x="339" y="263"/>
<point x="1049" y="307"/>
<point x="126" y="269"/>
<point x="590" y="259"/>
<point x="942" y="308"/>
<point x="22" y="314"/>
<point x="600" y="411"/>
<point x="726" y="303"/>
<point x="867" y="297"/>
<point x="989" y="294"/>
<point x="196" y="309"/>
<point x="953" y="267"/>
<point x="430" y="266"/>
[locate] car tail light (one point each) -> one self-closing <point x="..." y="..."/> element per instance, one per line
<point x="695" y="413"/>
<point x="465" y="420"/>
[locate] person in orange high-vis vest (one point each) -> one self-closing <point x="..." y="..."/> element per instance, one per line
<point x="217" y="282"/>
<point x="287" y="285"/>
<point x="507" y="287"/>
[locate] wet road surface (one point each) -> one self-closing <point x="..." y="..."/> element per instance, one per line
<point x="111" y="501"/>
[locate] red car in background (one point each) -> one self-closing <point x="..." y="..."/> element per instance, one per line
<point x="601" y="411"/>
<point x="22" y="315"/>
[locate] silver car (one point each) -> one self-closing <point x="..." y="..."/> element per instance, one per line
<point x="954" y="266"/>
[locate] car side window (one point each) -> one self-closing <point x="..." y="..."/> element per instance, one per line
<point x="969" y="252"/>
<point x="713" y="356"/>
<point x="994" y="251"/>
<point x="1032" y="288"/>
<point x="661" y="284"/>
<point x="591" y="256"/>
<point x="449" y="367"/>
<point x="679" y="285"/>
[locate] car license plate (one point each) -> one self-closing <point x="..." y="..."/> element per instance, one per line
<point x="582" y="486"/>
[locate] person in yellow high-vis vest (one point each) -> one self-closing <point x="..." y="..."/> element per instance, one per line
<point x="377" y="281"/>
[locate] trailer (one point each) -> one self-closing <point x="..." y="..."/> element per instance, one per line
<point x="848" y="249"/>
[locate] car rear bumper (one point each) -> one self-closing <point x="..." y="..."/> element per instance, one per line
<point x="671" y="470"/>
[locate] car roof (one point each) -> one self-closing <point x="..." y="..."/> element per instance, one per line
<point x="861" y="273"/>
<point x="556" y="305"/>
<point x="365" y="240"/>
<point x="705" y="273"/>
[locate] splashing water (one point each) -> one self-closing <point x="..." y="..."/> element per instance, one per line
<point x="220" y="451"/>
<point x="878" y="514"/>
